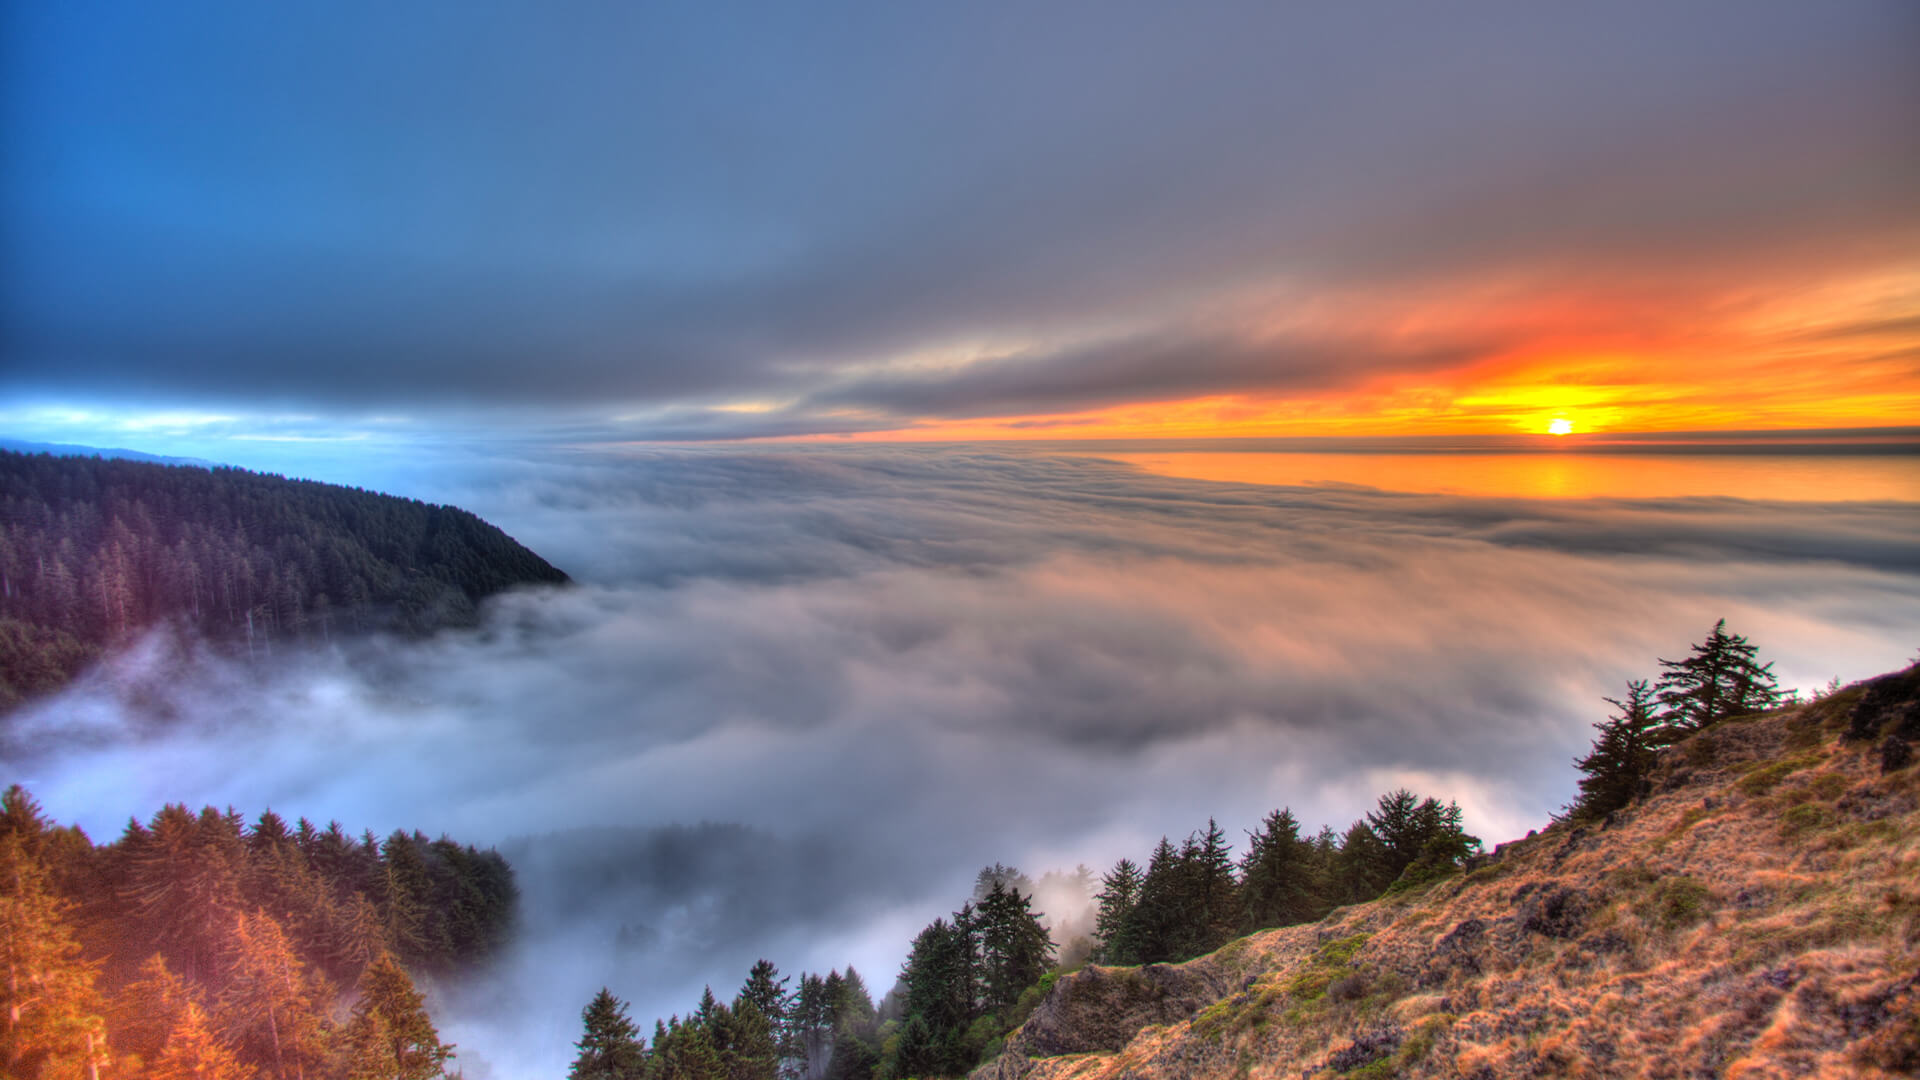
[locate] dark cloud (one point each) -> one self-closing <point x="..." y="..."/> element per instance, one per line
<point x="636" y="205"/>
<point x="890" y="666"/>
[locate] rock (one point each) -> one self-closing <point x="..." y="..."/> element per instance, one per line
<point x="1101" y="1008"/>
<point x="1896" y="753"/>
<point x="1365" y="1049"/>
<point x="1610" y="941"/>
<point x="1555" y="912"/>
<point x="1459" y="950"/>
<point x="1890" y="703"/>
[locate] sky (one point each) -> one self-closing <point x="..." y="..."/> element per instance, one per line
<point x="873" y="221"/>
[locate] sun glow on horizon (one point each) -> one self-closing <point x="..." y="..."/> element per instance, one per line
<point x="1560" y="426"/>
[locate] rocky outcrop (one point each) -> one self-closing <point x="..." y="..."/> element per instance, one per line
<point x="1102" y="1008"/>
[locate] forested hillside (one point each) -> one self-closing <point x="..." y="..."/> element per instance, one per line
<point x="198" y="945"/>
<point x="971" y="979"/>
<point x="92" y="550"/>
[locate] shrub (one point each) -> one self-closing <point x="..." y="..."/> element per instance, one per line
<point x="1678" y="902"/>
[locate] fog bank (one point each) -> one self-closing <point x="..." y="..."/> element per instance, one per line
<point x="885" y="668"/>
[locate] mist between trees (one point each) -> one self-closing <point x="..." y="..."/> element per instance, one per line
<point x="969" y="980"/>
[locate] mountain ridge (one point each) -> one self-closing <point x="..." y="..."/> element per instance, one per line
<point x="94" y="551"/>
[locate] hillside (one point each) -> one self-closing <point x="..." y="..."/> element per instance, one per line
<point x="93" y="550"/>
<point x="1755" y="914"/>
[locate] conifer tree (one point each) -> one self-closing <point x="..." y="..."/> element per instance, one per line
<point x="610" y="1048"/>
<point x="1120" y="891"/>
<point x="1719" y="680"/>
<point x="767" y="990"/>
<point x="49" y="1014"/>
<point x="751" y="1051"/>
<point x="1157" y="927"/>
<point x="1014" y="948"/>
<point x="811" y="1026"/>
<point x="145" y="1011"/>
<point x="1361" y="867"/>
<point x="193" y="1053"/>
<point x="1215" y="895"/>
<point x="1622" y="756"/>
<point x="365" y="1050"/>
<point x="270" y="1008"/>
<point x="1277" y="875"/>
<point x="388" y="996"/>
<point x="852" y="1004"/>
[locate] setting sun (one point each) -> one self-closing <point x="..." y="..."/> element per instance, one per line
<point x="1560" y="426"/>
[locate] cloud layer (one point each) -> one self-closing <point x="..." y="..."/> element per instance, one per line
<point x="892" y="666"/>
<point x="894" y="217"/>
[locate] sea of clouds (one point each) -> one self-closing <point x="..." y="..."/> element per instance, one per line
<point x="870" y="671"/>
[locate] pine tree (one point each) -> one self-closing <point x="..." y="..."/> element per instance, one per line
<point x="811" y="1026"/>
<point x="270" y="1008"/>
<point x="767" y="990"/>
<point x="1120" y="891"/>
<point x="1718" y="681"/>
<point x="193" y="1053"/>
<point x="1216" y="895"/>
<point x="751" y="1050"/>
<point x="1394" y="820"/>
<point x="1362" y="866"/>
<point x="145" y="1011"/>
<point x="47" y="1000"/>
<point x="1158" y="926"/>
<point x="1277" y="875"/>
<point x="610" y="1049"/>
<point x="365" y="1050"/>
<point x="1621" y="757"/>
<point x="852" y="1004"/>
<point x="387" y="995"/>
<point x="1014" y="948"/>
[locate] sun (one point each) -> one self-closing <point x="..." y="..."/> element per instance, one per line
<point x="1559" y="426"/>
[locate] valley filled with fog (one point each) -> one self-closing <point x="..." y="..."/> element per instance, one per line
<point x="800" y="695"/>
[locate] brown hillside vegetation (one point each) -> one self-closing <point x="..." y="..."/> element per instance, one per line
<point x="1756" y="914"/>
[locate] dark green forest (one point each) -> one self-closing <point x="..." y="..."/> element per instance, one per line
<point x="202" y="945"/>
<point x="93" y="550"/>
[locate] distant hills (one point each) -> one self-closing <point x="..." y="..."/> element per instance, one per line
<point x="94" y="550"/>
<point x="22" y="446"/>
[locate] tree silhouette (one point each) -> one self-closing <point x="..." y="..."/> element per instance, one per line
<point x="1719" y="680"/>
<point x="1622" y="756"/>
<point x="610" y="1049"/>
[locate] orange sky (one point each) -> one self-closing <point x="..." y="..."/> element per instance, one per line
<point x="1781" y="351"/>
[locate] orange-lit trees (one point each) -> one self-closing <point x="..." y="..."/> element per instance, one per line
<point x="390" y="1004"/>
<point x="193" y="1053"/>
<point x="271" y="1007"/>
<point x="49" y="1012"/>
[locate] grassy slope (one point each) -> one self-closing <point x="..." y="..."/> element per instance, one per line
<point x="1757" y="916"/>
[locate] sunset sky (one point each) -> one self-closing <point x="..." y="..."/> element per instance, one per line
<point x="990" y="221"/>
